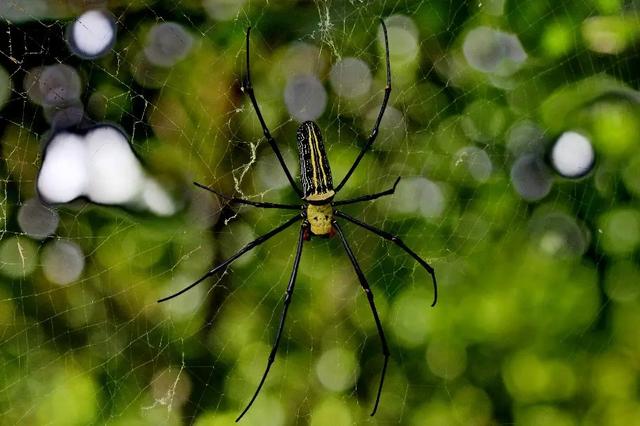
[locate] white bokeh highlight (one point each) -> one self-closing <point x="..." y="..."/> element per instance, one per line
<point x="531" y="178"/>
<point x="63" y="175"/>
<point x="305" y="97"/>
<point x="101" y="166"/>
<point x="92" y="34"/>
<point x="418" y="195"/>
<point x="223" y="10"/>
<point x="572" y="155"/>
<point x="403" y="39"/>
<point x="156" y="199"/>
<point x="492" y="51"/>
<point x="167" y="44"/>
<point x="37" y="220"/>
<point x="476" y="161"/>
<point x="53" y="85"/>
<point x="350" y="78"/>
<point x="62" y="262"/>
<point x="115" y="175"/>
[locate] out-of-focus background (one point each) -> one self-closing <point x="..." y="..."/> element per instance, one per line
<point x="514" y="124"/>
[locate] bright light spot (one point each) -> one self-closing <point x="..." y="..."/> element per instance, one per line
<point x="350" y="78"/>
<point x="115" y="173"/>
<point x="403" y="44"/>
<point x="223" y="10"/>
<point x="530" y="178"/>
<point x="63" y="176"/>
<point x="53" y="86"/>
<point x="102" y="166"/>
<point x="305" y="97"/>
<point x="167" y="44"/>
<point x="492" y="51"/>
<point x="156" y="199"/>
<point x="620" y="231"/>
<point x="476" y="161"/>
<point x="37" y="220"/>
<point x="337" y="369"/>
<point x="419" y="195"/>
<point x="572" y="155"/>
<point x="403" y="39"/>
<point x="92" y="34"/>
<point x="62" y="262"/>
<point x="607" y="34"/>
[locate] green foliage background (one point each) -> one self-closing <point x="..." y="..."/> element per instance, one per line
<point x="526" y="331"/>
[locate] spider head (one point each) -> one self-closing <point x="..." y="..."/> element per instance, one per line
<point x="320" y="218"/>
<point x="315" y="173"/>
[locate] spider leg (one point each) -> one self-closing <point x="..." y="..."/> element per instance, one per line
<point x="369" y="293"/>
<point x="283" y="316"/>
<point x="248" y="87"/>
<point x="399" y="243"/>
<point x="261" y="239"/>
<point x="376" y="127"/>
<point x="248" y="202"/>
<point x="368" y="197"/>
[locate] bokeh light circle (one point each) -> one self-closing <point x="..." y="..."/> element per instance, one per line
<point x="572" y="155"/>
<point x="337" y="369"/>
<point x="92" y="35"/>
<point x="37" y="220"/>
<point x="167" y="43"/>
<point x="62" y="262"/>
<point x="492" y="51"/>
<point x="305" y="97"/>
<point x="531" y="178"/>
<point x="350" y="78"/>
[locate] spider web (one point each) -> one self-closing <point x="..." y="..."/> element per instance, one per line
<point x="535" y="324"/>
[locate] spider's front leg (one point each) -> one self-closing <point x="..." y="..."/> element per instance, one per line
<point x="248" y="88"/>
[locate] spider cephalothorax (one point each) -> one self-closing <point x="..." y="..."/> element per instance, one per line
<point x="320" y="218"/>
<point x="317" y="213"/>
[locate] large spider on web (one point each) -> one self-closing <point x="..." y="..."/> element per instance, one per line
<point x="317" y="213"/>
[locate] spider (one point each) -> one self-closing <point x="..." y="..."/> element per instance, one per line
<point x="317" y="213"/>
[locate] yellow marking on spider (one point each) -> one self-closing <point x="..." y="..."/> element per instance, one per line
<point x="314" y="167"/>
<point x="316" y="145"/>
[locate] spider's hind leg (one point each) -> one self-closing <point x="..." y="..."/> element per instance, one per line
<point x="369" y="293"/>
<point x="397" y="241"/>
<point x="287" y="300"/>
